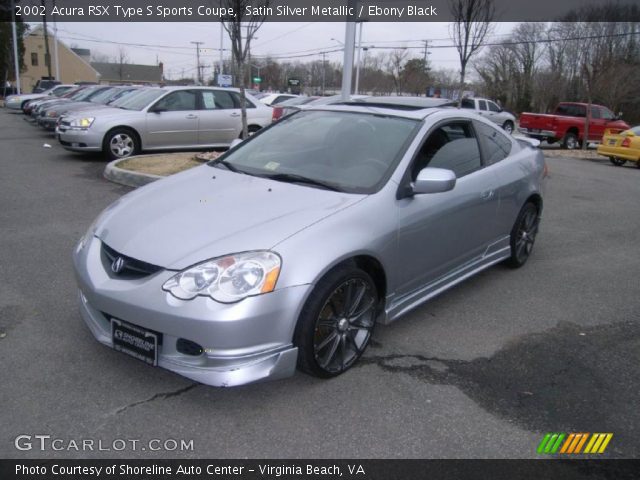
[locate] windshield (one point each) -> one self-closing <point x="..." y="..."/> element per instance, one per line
<point x="350" y="152"/>
<point x="138" y="101"/>
<point x="104" y="95"/>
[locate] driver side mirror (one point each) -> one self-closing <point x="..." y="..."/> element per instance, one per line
<point x="156" y="109"/>
<point x="434" y="180"/>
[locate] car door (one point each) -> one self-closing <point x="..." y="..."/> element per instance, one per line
<point x="482" y="107"/>
<point x="173" y="121"/>
<point x="220" y="119"/>
<point x="597" y="124"/>
<point x="493" y="113"/>
<point x="441" y="232"/>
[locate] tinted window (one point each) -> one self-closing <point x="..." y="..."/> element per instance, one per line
<point x="595" y="112"/>
<point x="453" y="147"/>
<point x="467" y="103"/>
<point x="607" y="114"/>
<point x="493" y="107"/>
<point x="353" y="152"/>
<point x="236" y="98"/>
<point x="178" y="101"/>
<point x="482" y="105"/>
<point x="280" y="99"/>
<point x="498" y="146"/>
<point x="571" y="110"/>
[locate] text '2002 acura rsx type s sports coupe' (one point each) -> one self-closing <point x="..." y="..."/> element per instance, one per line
<point x="290" y="247"/>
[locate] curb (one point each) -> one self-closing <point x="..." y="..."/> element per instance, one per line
<point x="127" y="177"/>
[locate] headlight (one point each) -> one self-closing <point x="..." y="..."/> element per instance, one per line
<point x="82" y="122"/>
<point x="52" y="114"/>
<point x="228" y="279"/>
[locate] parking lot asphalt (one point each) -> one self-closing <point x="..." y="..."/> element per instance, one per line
<point x="484" y="370"/>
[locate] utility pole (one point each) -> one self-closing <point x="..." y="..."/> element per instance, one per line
<point x="55" y="43"/>
<point x="426" y="54"/>
<point x="347" y="65"/>
<point x="358" y="59"/>
<point x="221" y="61"/>
<point x="16" y="61"/>
<point x="323" y="70"/>
<point x="197" y="44"/>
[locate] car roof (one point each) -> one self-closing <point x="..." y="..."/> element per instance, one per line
<point x="416" y="108"/>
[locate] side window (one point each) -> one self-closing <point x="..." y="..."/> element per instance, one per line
<point x="467" y="103"/>
<point x="607" y="114"/>
<point x="236" y="99"/>
<point x="217" y="100"/>
<point x="493" y="107"/>
<point x="34" y="59"/>
<point x="498" y="146"/>
<point x="452" y="146"/>
<point x="178" y="101"/>
<point x="482" y="105"/>
<point x="595" y="112"/>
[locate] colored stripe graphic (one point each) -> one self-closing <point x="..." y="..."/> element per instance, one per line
<point x="573" y="443"/>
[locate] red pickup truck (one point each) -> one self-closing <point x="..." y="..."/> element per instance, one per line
<point x="567" y="124"/>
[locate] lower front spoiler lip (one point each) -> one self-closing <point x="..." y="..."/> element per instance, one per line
<point x="270" y="365"/>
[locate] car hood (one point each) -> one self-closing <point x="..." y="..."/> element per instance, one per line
<point x="209" y="212"/>
<point x="106" y="112"/>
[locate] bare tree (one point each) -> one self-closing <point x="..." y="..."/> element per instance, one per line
<point x="241" y="41"/>
<point x="472" y="22"/>
<point x="395" y="64"/>
<point x="121" y="59"/>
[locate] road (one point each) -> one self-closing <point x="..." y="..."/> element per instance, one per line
<point x="482" y="371"/>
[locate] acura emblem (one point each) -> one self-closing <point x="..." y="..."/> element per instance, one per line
<point x="117" y="265"/>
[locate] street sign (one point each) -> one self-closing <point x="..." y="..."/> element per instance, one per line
<point x="257" y="80"/>
<point x="225" y="80"/>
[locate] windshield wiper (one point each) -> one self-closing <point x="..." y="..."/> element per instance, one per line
<point x="222" y="161"/>
<point x="294" y="178"/>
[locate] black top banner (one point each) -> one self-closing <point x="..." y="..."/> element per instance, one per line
<point x="288" y="10"/>
<point x="319" y="469"/>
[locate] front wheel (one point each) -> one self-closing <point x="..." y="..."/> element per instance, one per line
<point x="120" y="143"/>
<point x="523" y="235"/>
<point x="508" y="127"/>
<point x="617" y="161"/>
<point x="337" y="322"/>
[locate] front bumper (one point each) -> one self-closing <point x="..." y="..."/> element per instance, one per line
<point x="48" y="123"/>
<point x="242" y="343"/>
<point x="13" y="105"/>
<point x="80" y="140"/>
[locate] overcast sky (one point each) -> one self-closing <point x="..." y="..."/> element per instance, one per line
<point x="171" y="41"/>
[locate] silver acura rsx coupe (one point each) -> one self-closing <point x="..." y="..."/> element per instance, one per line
<point x="290" y="247"/>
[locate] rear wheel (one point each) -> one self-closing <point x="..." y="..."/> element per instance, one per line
<point x="252" y="129"/>
<point x="120" y="143"/>
<point x="508" y="127"/>
<point x="570" y="141"/>
<point x="617" y="161"/>
<point x="336" y="323"/>
<point x="523" y="235"/>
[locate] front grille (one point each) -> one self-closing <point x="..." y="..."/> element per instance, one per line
<point x="131" y="268"/>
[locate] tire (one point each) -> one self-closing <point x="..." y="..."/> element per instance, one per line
<point x="337" y="322"/>
<point x="252" y="129"/>
<point x="570" y="141"/>
<point x="120" y="143"/>
<point x="523" y="235"/>
<point x="508" y="127"/>
<point x="617" y="161"/>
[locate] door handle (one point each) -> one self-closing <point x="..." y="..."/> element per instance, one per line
<point x="191" y="116"/>
<point x="234" y="114"/>
<point x="487" y="194"/>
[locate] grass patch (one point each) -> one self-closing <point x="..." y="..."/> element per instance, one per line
<point x="162" y="164"/>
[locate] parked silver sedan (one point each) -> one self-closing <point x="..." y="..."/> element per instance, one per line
<point x="162" y="118"/>
<point x="290" y="247"/>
